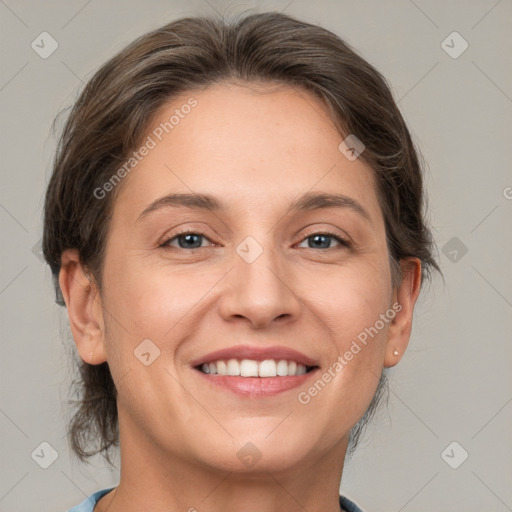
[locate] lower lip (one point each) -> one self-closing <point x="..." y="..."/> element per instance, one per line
<point x="257" y="386"/>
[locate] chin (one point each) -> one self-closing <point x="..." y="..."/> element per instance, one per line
<point x="260" y="453"/>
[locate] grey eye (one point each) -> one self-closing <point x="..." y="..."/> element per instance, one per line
<point x="322" y="241"/>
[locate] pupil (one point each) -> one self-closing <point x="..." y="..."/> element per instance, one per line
<point x="317" y="237"/>
<point x="189" y="238"/>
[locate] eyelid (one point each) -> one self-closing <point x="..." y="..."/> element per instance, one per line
<point x="186" y="231"/>
<point x="343" y="236"/>
<point x="184" y="228"/>
<point x="342" y="240"/>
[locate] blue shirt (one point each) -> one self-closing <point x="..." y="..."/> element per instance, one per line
<point x="88" y="504"/>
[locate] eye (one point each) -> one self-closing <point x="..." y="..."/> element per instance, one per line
<point x="192" y="240"/>
<point x="321" y="240"/>
<point x="186" y="240"/>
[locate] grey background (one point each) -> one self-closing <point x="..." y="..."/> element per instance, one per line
<point x="453" y="384"/>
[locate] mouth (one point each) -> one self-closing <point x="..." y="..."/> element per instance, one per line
<point x="252" y="368"/>
<point x="255" y="371"/>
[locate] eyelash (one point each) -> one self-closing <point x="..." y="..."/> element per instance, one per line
<point x="343" y="243"/>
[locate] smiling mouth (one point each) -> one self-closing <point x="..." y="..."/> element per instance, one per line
<point x="253" y="368"/>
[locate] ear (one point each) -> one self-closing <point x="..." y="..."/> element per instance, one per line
<point x="85" y="310"/>
<point x="404" y="299"/>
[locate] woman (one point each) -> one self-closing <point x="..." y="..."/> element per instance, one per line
<point x="235" y="225"/>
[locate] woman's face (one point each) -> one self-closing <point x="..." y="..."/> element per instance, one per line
<point x="257" y="279"/>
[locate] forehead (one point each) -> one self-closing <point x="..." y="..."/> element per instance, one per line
<point x="254" y="145"/>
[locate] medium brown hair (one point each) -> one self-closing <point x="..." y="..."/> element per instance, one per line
<point x="113" y="113"/>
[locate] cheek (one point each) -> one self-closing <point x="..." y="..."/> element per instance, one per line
<point x="353" y="299"/>
<point x="139" y="294"/>
<point x="358" y="313"/>
<point x="351" y="319"/>
<point x="153" y="302"/>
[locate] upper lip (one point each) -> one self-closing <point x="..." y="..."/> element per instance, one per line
<point x="255" y="353"/>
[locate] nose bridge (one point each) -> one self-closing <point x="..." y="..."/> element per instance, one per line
<point x="258" y="284"/>
<point x="259" y="264"/>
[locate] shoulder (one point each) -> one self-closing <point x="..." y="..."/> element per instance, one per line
<point x="348" y="505"/>
<point x="88" y="504"/>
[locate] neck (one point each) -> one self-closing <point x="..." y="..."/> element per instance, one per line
<point x="152" y="479"/>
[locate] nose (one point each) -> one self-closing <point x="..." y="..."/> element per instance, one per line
<point x="260" y="292"/>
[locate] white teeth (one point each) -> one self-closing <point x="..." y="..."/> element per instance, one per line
<point x="282" y="368"/>
<point x="249" y="368"/>
<point x="222" y="368"/>
<point x="233" y="367"/>
<point x="267" y="368"/>
<point x="252" y="368"/>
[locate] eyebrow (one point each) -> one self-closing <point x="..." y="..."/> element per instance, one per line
<point x="305" y="203"/>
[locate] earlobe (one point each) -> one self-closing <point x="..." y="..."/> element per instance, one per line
<point x="84" y="308"/>
<point x="405" y="297"/>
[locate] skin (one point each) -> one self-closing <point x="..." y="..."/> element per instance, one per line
<point x="256" y="148"/>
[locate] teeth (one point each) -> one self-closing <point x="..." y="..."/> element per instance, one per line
<point x="301" y="369"/>
<point x="248" y="368"/>
<point x="282" y="368"/>
<point x="267" y="368"/>
<point x="233" y="368"/>
<point x="222" y="368"/>
<point x="252" y="368"/>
